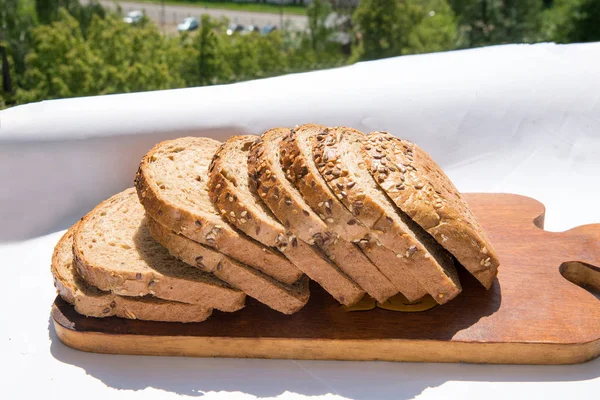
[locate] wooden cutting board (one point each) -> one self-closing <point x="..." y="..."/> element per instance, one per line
<point x="533" y="314"/>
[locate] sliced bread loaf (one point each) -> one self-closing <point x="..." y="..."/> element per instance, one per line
<point x="284" y="298"/>
<point x="93" y="302"/>
<point x="296" y="156"/>
<point x="114" y="251"/>
<point x="172" y="186"/>
<point x="296" y="153"/>
<point x="286" y="203"/>
<point x="419" y="187"/>
<point x="337" y="153"/>
<point x="233" y="192"/>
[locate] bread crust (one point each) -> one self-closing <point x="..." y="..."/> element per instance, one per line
<point x="289" y="207"/>
<point x="297" y="161"/>
<point x="248" y="215"/>
<point x="206" y="228"/>
<point x="190" y="287"/>
<point x="420" y="188"/>
<point x="245" y="214"/>
<point x="92" y="302"/>
<point x="334" y="154"/>
<point x="301" y="171"/>
<point x="278" y="296"/>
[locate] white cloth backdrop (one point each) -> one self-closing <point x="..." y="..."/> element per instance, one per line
<point x="519" y="118"/>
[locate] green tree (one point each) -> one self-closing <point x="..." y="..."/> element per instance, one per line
<point x="241" y="55"/>
<point x="214" y="57"/>
<point x="317" y="13"/>
<point x="391" y="28"/>
<point x="48" y="11"/>
<point x="426" y="26"/>
<point x="271" y="58"/>
<point x="299" y="53"/>
<point x="211" y="66"/>
<point x="136" y="58"/>
<point x="16" y="19"/>
<point x="558" y="20"/>
<point x="485" y="22"/>
<point x="377" y="21"/>
<point x="60" y="65"/>
<point x="586" y="24"/>
<point x="113" y="58"/>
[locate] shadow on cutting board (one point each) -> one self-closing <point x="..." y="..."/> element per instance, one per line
<point x="269" y="378"/>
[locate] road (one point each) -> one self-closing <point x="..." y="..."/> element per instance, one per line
<point x="175" y="13"/>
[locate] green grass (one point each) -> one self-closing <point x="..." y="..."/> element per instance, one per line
<point x="228" y="5"/>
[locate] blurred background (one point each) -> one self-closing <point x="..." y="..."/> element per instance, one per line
<point x="68" y="48"/>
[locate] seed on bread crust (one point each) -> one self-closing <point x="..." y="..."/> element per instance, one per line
<point x="420" y="188"/>
<point x="344" y="145"/>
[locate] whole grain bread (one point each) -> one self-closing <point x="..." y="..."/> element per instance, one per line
<point x="172" y="186"/>
<point x="281" y="297"/>
<point x="338" y="155"/>
<point x="233" y="192"/>
<point x="419" y="187"/>
<point x="296" y="156"/>
<point x="296" y="152"/>
<point x="286" y="203"/>
<point x="114" y="251"/>
<point x="93" y="302"/>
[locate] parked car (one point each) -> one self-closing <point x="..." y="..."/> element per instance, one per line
<point x="234" y="28"/>
<point x="265" y="30"/>
<point x="188" y="24"/>
<point x="133" y="17"/>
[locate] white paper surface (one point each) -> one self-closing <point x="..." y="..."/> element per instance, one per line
<point x="520" y="118"/>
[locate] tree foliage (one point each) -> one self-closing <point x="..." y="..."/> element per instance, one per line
<point x="61" y="48"/>
<point x="48" y="11"/>
<point x="16" y="20"/>
<point x="572" y="21"/>
<point x="113" y="58"/>
<point x="319" y="32"/>
<point x="207" y="48"/>
<point x="485" y="22"/>
<point x="586" y="25"/>
<point x="271" y="59"/>
<point x="427" y="26"/>
<point x="379" y="30"/>
<point x="391" y="28"/>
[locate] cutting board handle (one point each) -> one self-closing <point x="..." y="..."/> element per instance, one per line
<point x="583" y="275"/>
<point x="584" y="245"/>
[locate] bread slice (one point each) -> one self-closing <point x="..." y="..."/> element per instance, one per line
<point x="296" y="158"/>
<point x="419" y="187"/>
<point x="115" y="252"/>
<point x="298" y="164"/>
<point x="337" y="153"/>
<point x="283" y="298"/>
<point x="284" y="200"/>
<point x="233" y="194"/>
<point x="93" y="302"/>
<point x="172" y="186"/>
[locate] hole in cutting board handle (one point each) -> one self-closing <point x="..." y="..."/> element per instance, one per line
<point x="583" y="275"/>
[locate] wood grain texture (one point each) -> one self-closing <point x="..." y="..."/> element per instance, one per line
<point x="533" y="314"/>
